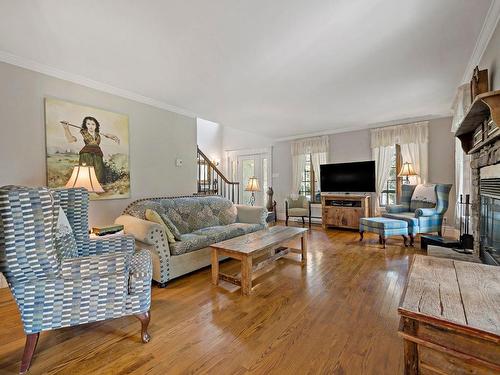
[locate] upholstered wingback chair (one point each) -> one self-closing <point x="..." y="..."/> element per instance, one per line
<point x="297" y="207"/>
<point x="422" y="217"/>
<point x="66" y="281"/>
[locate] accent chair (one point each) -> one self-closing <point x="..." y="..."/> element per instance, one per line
<point x="422" y="217"/>
<point x="297" y="207"/>
<point x="60" y="281"/>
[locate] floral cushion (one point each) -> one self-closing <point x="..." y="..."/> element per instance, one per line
<point x="224" y="232"/>
<point x="189" y="242"/>
<point x="188" y="213"/>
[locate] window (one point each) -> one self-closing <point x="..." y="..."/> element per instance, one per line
<point x="309" y="185"/>
<point x="392" y="191"/>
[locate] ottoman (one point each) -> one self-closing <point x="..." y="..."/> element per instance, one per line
<point x="384" y="227"/>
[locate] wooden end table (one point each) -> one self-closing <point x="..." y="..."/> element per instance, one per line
<point x="251" y="250"/>
<point x="450" y="317"/>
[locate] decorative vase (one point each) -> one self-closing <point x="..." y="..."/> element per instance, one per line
<point x="269" y="204"/>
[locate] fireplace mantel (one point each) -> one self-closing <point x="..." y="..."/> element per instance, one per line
<point x="485" y="106"/>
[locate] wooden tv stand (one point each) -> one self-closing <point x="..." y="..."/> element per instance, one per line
<point x="344" y="210"/>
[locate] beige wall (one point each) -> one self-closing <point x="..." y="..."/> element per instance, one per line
<point x="157" y="138"/>
<point x="491" y="59"/>
<point x="355" y="146"/>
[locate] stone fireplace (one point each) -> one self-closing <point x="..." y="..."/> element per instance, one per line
<point x="485" y="209"/>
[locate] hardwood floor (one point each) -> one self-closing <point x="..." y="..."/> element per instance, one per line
<point x="338" y="315"/>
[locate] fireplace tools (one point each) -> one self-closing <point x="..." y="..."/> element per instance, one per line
<point x="466" y="239"/>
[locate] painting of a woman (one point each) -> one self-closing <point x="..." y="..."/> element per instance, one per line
<point x="91" y="154"/>
<point x="77" y="134"/>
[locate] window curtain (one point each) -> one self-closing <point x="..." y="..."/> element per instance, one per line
<point x="414" y="141"/>
<point x="417" y="155"/>
<point x="298" y="165"/>
<point x="318" y="147"/>
<point x="317" y="159"/>
<point x="463" y="171"/>
<point x="463" y="179"/>
<point x="382" y="156"/>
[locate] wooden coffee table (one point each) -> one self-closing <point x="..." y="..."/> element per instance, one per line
<point x="251" y="249"/>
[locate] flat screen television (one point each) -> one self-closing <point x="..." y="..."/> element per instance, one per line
<point x="348" y="177"/>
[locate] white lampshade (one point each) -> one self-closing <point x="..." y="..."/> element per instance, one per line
<point x="84" y="176"/>
<point x="253" y="184"/>
<point x="407" y="170"/>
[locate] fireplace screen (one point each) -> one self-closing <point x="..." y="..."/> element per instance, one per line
<point x="490" y="227"/>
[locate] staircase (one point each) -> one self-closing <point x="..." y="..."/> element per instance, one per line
<point x="211" y="181"/>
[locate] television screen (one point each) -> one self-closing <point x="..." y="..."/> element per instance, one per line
<point x="348" y="177"/>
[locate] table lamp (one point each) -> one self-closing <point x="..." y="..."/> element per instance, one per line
<point x="253" y="186"/>
<point x="407" y="171"/>
<point x="84" y="176"/>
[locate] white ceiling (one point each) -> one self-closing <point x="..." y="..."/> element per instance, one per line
<point x="279" y="68"/>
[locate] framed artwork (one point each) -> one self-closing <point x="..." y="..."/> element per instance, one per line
<point x="82" y="135"/>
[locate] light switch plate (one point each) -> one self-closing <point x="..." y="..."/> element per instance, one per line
<point x="178" y="162"/>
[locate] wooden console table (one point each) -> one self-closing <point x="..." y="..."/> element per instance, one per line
<point x="344" y="211"/>
<point x="450" y="317"/>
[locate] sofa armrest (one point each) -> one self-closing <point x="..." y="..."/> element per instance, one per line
<point x="425" y="212"/>
<point x="142" y="230"/>
<point x="146" y="232"/>
<point x="94" y="265"/>
<point x="397" y="208"/>
<point x="251" y="214"/>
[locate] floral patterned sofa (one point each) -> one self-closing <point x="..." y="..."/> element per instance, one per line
<point x="201" y="222"/>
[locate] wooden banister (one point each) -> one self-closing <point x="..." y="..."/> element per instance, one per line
<point x="211" y="181"/>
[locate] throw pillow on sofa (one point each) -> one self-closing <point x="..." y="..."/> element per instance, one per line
<point x="155" y="217"/>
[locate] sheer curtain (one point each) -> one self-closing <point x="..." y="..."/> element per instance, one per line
<point x="318" y="158"/>
<point x="414" y="141"/>
<point x="417" y="154"/>
<point x="382" y="156"/>
<point x="298" y="165"/>
<point x="317" y="147"/>
<point x="463" y="171"/>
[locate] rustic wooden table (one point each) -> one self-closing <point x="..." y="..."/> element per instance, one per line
<point x="450" y="317"/>
<point x="256" y="251"/>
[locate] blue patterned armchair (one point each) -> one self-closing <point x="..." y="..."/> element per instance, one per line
<point x="422" y="217"/>
<point x="59" y="283"/>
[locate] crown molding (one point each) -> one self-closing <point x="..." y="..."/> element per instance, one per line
<point x="489" y="26"/>
<point x="25" y="63"/>
<point x="348" y="129"/>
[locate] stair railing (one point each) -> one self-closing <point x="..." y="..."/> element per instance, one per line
<point x="211" y="181"/>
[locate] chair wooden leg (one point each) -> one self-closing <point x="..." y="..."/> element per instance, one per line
<point x="361" y="235"/>
<point x="405" y="240"/>
<point x="286" y="221"/>
<point x="144" y="318"/>
<point x="29" y="349"/>
<point x="440" y="233"/>
<point x="303" y="221"/>
<point x="412" y="239"/>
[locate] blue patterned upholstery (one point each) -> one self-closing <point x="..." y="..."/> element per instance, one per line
<point x="423" y="219"/>
<point x="107" y="279"/>
<point x="382" y="223"/>
<point x="383" y="226"/>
